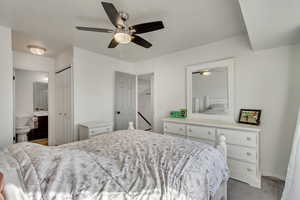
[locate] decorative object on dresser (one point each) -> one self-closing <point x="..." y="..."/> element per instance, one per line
<point x="178" y="114"/>
<point x="243" y="143"/>
<point x="93" y="128"/>
<point x="250" y="116"/>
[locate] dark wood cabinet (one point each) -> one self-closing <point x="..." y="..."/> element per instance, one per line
<point x="41" y="131"/>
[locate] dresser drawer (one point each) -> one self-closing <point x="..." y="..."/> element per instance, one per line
<point x="242" y="153"/>
<point x="175" y="128"/>
<point x="242" y="171"/>
<point x="242" y="138"/>
<point x="176" y="135"/>
<point x="207" y="133"/>
<point x="210" y="142"/>
<point x="99" y="130"/>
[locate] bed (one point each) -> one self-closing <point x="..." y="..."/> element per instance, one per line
<point x="129" y="164"/>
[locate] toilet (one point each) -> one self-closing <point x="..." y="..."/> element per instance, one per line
<point x="22" y="132"/>
<point x="23" y="127"/>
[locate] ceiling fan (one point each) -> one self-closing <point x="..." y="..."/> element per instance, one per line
<point x="124" y="34"/>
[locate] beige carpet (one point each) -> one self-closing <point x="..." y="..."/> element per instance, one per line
<point x="271" y="190"/>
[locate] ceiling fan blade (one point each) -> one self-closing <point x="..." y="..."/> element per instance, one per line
<point x="147" y="27"/>
<point x="113" y="43"/>
<point x="102" y="30"/>
<point x="140" y="41"/>
<point x="111" y="12"/>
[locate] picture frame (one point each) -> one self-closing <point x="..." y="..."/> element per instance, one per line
<point x="250" y="116"/>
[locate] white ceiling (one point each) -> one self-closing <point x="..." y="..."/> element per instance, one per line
<point x="271" y="23"/>
<point x="51" y="23"/>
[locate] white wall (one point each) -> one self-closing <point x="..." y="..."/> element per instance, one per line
<point x="24" y="90"/>
<point x="42" y="64"/>
<point x="32" y="62"/>
<point x="295" y="81"/>
<point x="94" y="85"/>
<point x="64" y="59"/>
<point x="6" y="88"/>
<point x="292" y="184"/>
<point x="262" y="80"/>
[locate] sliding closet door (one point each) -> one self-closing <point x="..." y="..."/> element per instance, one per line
<point x="67" y="109"/>
<point x="59" y="135"/>
<point x="64" y="112"/>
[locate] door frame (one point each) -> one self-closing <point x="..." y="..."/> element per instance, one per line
<point x="51" y="103"/>
<point x="152" y="98"/>
<point x="136" y="96"/>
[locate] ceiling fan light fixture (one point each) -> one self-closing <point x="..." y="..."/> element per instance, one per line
<point x="36" y="50"/>
<point x="205" y="73"/>
<point x="124" y="34"/>
<point x="122" y="37"/>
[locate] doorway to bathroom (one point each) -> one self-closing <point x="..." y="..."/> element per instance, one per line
<point x="31" y="106"/>
<point x="145" y="102"/>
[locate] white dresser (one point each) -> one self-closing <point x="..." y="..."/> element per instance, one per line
<point x="93" y="128"/>
<point x="243" y="144"/>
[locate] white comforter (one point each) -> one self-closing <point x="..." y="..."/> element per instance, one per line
<point x="129" y="165"/>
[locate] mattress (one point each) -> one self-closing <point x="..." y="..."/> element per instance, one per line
<point x="129" y="164"/>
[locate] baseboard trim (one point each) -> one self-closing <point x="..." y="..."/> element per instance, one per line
<point x="269" y="174"/>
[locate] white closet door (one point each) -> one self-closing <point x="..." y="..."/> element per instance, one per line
<point x="68" y="106"/>
<point x="64" y="114"/>
<point x="58" y="109"/>
<point x="64" y="103"/>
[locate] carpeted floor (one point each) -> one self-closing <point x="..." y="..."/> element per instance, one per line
<point x="271" y="190"/>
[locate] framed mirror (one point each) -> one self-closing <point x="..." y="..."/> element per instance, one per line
<point x="40" y="96"/>
<point x="210" y="90"/>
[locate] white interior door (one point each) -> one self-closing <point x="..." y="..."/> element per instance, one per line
<point x="67" y="111"/>
<point x="59" y="105"/>
<point x="64" y="112"/>
<point x="125" y="100"/>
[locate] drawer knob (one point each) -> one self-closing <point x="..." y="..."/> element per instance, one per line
<point x="249" y="154"/>
<point x="248" y="138"/>
<point x="209" y="133"/>
<point x="249" y="170"/>
<point x="181" y="129"/>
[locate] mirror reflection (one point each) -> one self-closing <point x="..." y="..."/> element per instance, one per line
<point x="210" y="91"/>
<point x="40" y="96"/>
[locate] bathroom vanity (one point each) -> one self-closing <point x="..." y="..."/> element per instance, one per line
<point x="40" y="130"/>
